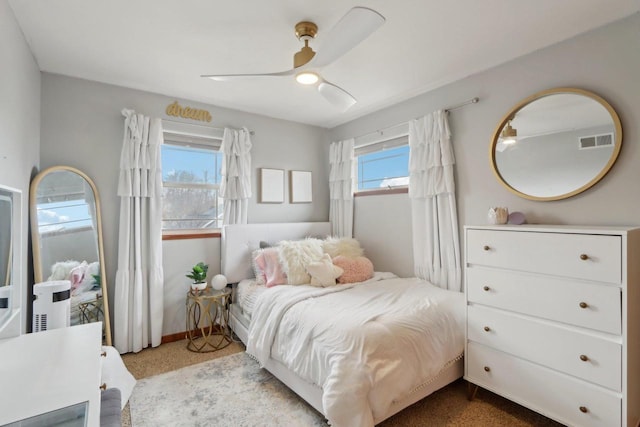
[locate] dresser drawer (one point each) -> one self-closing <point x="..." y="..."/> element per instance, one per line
<point x="548" y="297"/>
<point x="582" y="256"/>
<point x="556" y="347"/>
<point x="555" y="395"/>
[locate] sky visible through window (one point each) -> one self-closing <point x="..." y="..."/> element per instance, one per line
<point x="203" y="164"/>
<point x="384" y="169"/>
<point x="64" y="215"/>
<point x="190" y="194"/>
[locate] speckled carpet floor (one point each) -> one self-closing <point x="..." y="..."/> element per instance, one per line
<point x="447" y="407"/>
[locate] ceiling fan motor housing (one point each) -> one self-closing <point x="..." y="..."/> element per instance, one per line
<point x="304" y="31"/>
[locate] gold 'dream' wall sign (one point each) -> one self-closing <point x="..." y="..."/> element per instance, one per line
<point x="175" y="109"/>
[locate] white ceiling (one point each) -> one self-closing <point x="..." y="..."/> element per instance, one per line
<point x="164" y="46"/>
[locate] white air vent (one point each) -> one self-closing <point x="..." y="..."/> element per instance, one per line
<point x="595" y="141"/>
<point x="40" y="323"/>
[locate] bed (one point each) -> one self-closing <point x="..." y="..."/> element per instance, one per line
<point x="86" y="293"/>
<point x="358" y="352"/>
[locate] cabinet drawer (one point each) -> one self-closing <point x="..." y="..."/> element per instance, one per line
<point x="548" y="253"/>
<point x="555" y="395"/>
<point x="548" y="297"/>
<point x="557" y="347"/>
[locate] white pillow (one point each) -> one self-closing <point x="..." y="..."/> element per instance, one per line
<point x="295" y="255"/>
<point x="345" y="246"/>
<point x="323" y="272"/>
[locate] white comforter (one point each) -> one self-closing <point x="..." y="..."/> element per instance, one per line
<point x="367" y="345"/>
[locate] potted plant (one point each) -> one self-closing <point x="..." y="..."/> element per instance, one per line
<point x="199" y="276"/>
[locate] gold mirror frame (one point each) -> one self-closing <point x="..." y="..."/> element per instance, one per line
<point x="36" y="242"/>
<point x="562" y="90"/>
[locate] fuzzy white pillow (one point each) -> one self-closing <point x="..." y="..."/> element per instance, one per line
<point x="295" y="255"/>
<point x="324" y="273"/>
<point x="345" y="246"/>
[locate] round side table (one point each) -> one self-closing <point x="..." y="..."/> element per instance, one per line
<point x="208" y="320"/>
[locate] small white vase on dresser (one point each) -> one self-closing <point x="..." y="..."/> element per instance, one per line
<point x="553" y="319"/>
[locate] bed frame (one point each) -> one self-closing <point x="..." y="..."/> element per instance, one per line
<point x="238" y="241"/>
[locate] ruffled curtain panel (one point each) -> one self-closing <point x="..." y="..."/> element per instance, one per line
<point x="341" y="187"/>
<point x="235" y="187"/>
<point x="436" y="246"/>
<point x="138" y="305"/>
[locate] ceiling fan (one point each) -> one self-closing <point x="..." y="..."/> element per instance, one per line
<point x="353" y="28"/>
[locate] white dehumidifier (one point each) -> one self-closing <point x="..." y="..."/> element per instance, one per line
<point x="5" y="301"/>
<point x="51" y="305"/>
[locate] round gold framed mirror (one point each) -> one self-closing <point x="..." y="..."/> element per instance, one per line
<point x="556" y="144"/>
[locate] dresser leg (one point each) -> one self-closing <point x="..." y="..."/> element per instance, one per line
<point x="472" y="389"/>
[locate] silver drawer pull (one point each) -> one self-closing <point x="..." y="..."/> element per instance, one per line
<point x="584" y="257"/>
<point x="487" y="329"/>
<point x="487" y="369"/>
<point x="584" y="358"/>
<point x="486" y="288"/>
<point x="583" y="304"/>
<point x="486" y="248"/>
<point x="584" y="409"/>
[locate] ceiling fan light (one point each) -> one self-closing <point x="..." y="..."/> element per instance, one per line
<point x="307" y="78"/>
<point x="509" y="134"/>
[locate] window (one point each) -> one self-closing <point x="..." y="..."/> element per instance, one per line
<point x="383" y="164"/>
<point x="64" y="215"/>
<point x="191" y="180"/>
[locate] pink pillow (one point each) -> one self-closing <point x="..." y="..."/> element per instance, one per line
<point x="356" y="269"/>
<point x="267" y="261"/>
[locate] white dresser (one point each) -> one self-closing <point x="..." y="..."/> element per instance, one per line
<point x="53" y="374"/>
<point x="553" y="319"/>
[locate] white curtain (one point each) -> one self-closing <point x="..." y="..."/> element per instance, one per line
<point x="235" y="187"/>
<point x="436" y="248"/>
<point x="138" y="306"/>
<point x="341" y="187"/>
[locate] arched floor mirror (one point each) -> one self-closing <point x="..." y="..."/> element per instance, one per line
<point x="66" y="233"/>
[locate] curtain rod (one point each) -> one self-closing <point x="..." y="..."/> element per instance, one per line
<point x="447" y="110"/>
<point x="197" y="124"/>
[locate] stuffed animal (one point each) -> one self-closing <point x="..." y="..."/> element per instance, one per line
<point x="61" y="270"/>
<point x="323" y="272"/>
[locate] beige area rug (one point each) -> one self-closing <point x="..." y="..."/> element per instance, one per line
<point x="169" y="399"/>
<point x="228" y="391"/>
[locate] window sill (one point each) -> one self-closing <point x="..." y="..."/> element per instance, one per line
<point x="396" y="190"/>
<point x="190" y="234"/>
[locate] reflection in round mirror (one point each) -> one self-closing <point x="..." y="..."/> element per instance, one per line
<point x="556" y="144"/>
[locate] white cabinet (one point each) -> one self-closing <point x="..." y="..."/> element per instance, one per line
<point x="50" y="370"/>
<point x="553" y="319"/>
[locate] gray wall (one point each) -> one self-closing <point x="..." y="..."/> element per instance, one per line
<point x="19" y="119"/>
<point x="605" y="61"/>
<point x="82" y="127"/>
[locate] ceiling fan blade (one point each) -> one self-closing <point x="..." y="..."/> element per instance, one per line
<point x="336" y="95"/>
<point x="227" y="77"/>
<point x="353" y="28"/>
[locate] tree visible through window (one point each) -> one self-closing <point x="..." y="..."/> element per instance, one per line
<point x="191" y="180"/>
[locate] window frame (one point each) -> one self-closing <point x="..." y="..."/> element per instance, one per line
<point x="197" y="136"/>
<point x="392" y="137"/>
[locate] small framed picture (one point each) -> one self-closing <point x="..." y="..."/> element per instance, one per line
<point x="271" y="185"/>
<point x="300" y="182"/>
